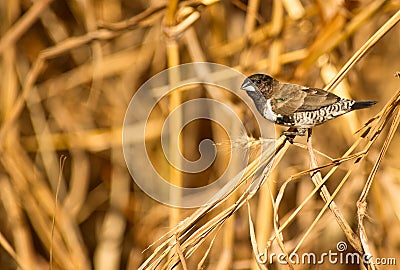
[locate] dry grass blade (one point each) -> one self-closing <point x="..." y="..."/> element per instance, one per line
<point x="363" y="50"/>
<point x="69" y="70"/>
<point x="195" y="239"/>
<point x="7" y="247"/>
<point x="62" y="163"/>
<point x="23" y="253"/>
<point x="200" y="266"/>
<point x="134" y="21"/>
<point x="15" y="32"/>
<point x="317" y="188"/>
<point x="278" y="235"/>
<point x="362" y="202"/>
<point x="336" y="32"/>
<point x="317" y="179"/>
<point x="256" y="251"/>
<point x="181" y="257"/>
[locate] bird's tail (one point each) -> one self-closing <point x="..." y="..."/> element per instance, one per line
<point x="362" y="104"/>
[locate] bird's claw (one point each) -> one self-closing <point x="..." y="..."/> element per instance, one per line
<point x="295" y="132"/>
<point x="291" y="133"/>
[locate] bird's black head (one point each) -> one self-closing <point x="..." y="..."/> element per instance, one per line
<point x="259" y="82"/>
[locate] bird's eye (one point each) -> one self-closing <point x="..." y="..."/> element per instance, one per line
<point x="258" y="81"/>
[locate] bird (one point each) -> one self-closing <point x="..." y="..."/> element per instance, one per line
<point x="297" y="106"/>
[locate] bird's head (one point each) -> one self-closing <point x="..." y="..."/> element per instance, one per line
<point x="259" y="82"/>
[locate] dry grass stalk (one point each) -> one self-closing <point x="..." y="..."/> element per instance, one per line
<point x="69" y="70"/>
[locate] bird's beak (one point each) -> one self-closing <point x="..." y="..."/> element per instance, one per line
<point x="248" y="85"/>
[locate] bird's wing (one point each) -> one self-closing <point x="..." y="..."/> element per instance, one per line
<point x="295" y="98"/>
<point x="317" y="98"/>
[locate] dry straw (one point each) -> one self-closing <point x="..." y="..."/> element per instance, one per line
<point x="69" y="69"/>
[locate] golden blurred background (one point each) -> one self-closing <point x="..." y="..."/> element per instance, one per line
<point x="68" y="70"/>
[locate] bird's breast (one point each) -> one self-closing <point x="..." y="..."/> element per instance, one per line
<point x="268" y="112"/>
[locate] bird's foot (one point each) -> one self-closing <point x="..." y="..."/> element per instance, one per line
<point x="295" y="132"/>
<point x="292" y="132"/>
